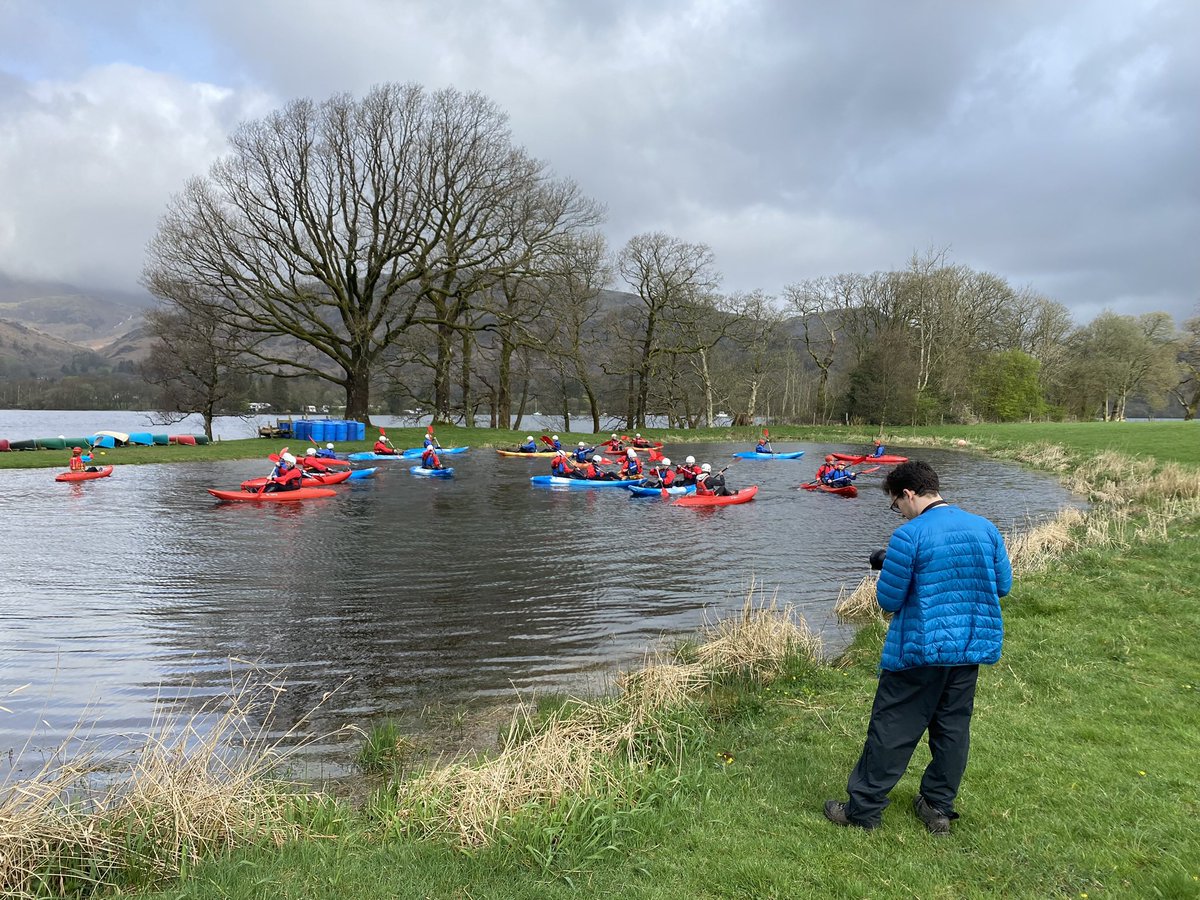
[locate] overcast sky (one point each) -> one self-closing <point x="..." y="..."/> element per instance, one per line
<point x="1054" y="143"/>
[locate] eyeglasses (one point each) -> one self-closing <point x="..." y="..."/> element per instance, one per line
<point x="895" y="504"/>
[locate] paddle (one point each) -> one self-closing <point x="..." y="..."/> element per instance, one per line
<point x="436" y="443"/>
<point x="767" y="438"/>
<point x="546" y="440"/>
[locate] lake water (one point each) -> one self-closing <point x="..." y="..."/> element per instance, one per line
<point x="120" y="594"/>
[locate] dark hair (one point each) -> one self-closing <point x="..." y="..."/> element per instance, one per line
<point x="914" y="475"/>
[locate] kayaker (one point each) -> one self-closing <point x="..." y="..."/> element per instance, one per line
<point x="327" y="452"/>
<point x="430" y="440"/>
<point x="661" y="474"/>
<point x="687" y="472"/>
<point x="840" y="476"/>
<point x="560" y="465"/>
<point x="429" y="458"/>
<point x="763" y="446"/>
<point x="555" y="443"/>
<point x="639" y="441"/>
<point x="615" y="444"/>
<point x="313" y="461"/>
<point x="632" y="467"/>
<point x="583" y="452"/>
<point x="879" y="449"/>
<point x="383" y="446"/>
<point x="530" y="445"/>
<point x="825" y="468"/>
<point x="708" y="484"/>
<point x="79" y="463"/>
<point x="286" y="476"/>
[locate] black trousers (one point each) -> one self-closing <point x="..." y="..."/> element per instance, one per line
<point x="937" y="699"/>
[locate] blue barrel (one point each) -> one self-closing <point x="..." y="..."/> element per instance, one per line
<point x="318" y="433"/>
<point x="300" y="430"/>
<point x="360" y="431"/>
<point x="342" y="431"/>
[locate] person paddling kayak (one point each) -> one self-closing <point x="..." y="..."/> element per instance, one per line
<point x="879" y="449"/>
<point x="825" y="469"/>
<point x="560" y="465"/>
<point x="79" y="463"/>
<point x="327" y="452"/>
<point x="383" y="446"/>
<point x="661" y="475"/>
<point x="530" y="445"/>
<point x="712" y="484"/>
<point x="687" y="472"/>
<point x="286" y="476"/>
<point x="632" y="467"/>
<point x="840" y="476"/>
<point x="583" y="452"/>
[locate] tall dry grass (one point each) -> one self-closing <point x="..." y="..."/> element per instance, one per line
<point x="858" y="604"/>
<point x="193" y="785"/>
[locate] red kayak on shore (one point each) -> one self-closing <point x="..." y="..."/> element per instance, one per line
<point x="310" y="479"/>
<point x="102" y="472"/>
<point x="886" y="459"/>
<point x="304" y="493"/>
<point x="846" y="490"/>
<point x="745" y="495"/>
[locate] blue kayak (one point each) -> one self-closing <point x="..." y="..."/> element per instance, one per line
<point x="413" y="452"/>
<point x="556" y="481"/>
<point x="363" y="473"/>
<point x="432" y="473"/>
<point x="643" y="491"/>
<point x="371" y="454"/>
<point x="751" y="454"/>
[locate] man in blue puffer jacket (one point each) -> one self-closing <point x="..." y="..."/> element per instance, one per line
<point x="942" y="578"/>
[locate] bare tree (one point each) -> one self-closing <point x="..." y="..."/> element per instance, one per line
<point x="668" y="276"/>
<point x="196" y="361"/>
<point x="342" y="224"/>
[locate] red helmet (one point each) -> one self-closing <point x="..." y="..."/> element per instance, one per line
<point x="829" y="459"/>
<point x="76" y="449"/>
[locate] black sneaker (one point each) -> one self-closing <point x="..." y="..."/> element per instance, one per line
<point x="935" y="820"/>
<point x="835" y="812"/>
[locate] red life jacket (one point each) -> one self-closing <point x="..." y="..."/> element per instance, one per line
<point x="702" y="484"/>
<point x="77" y="463"/>
<point x="429" y="459"/>
<point x="381" y="447"/>
<point x="291" y="475"/>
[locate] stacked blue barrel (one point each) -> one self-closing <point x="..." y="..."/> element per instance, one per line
<point x="321" y="431"/>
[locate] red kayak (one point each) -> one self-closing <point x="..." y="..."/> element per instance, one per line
<point x="313" y="479"/>
<point x="745" y="495"/>
<point x="304" y="493"/>
<point x="885" y="460"/>
<point x="846" y="490"/>
<point x="102" y="472"/>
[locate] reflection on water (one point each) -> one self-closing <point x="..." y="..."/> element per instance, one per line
<point x="409" y="591"/>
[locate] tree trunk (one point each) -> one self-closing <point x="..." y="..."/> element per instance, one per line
<point x="358" y="391"/>
<point x="593" y="406"/>
<point x="504" y="382"/>
<point x="631" y="400"/>
<point x="441" y="374"/>
<point x="208" y="420"/>
<point x="465" y="379"/>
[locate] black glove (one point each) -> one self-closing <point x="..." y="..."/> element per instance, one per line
<point x="876" y="559"/>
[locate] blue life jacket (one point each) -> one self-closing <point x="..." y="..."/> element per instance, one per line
<point x="528" y="447"/>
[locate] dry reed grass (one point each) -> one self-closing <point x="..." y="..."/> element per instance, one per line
<point x="81" y="825"/>
<point x="755" y="642"/>
<point x="859" y="604"/>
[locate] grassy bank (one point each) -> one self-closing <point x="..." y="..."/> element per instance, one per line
<point x="704" y="777"/>
<point x="1165" y="441"/>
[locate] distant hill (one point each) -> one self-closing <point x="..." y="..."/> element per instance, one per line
<point x="86" y="316"/>
<point x="28" y="353"/>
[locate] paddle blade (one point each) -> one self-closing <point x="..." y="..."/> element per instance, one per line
<point x="546" y="440"/>
<point x="429" y="429"/>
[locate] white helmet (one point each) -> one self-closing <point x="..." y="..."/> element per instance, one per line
<point x="631" y="453"/>
<point x="665" y="463"/>
<point x="614" y="435"/>
<point x="582" y="445"/>
<point x="597" y="458"/>
<point x="555" y="438"/>
<point x="706" y="468"/>
<point x="329" y="446"/>
<point x="637" y="434"/>
<point x="289" y="459"/>
<point x="529" y="437"/>
<point x="311" y="451"/>
<point x="690" y="461"/>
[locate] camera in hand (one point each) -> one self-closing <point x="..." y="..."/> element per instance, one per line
<point x="876" y="559"/>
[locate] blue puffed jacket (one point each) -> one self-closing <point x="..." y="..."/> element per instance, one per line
<point x="943" y="577"/>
